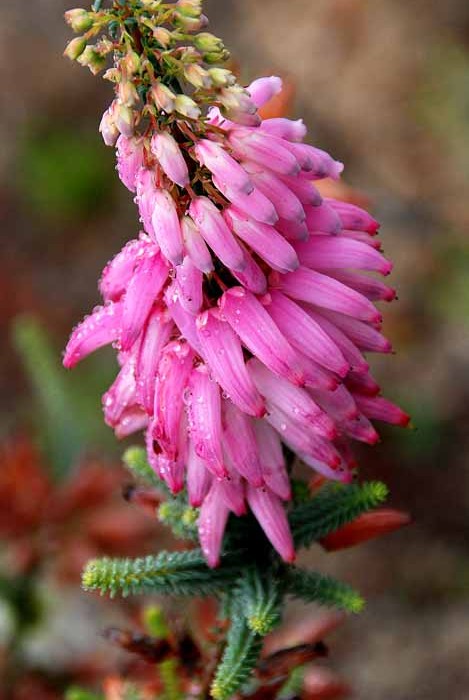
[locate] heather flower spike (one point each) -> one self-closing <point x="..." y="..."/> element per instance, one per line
<point x="242" y="312"/>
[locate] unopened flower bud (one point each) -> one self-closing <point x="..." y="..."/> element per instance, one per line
<point x="163" y="36"/>
<point x="92" y="59"/>
<point x="216" y="57"/>
<point x="75" y="48"/>
<point x="190" y="8"/>
<point x="208" y="43"/>
<point x="236" y="98"/>
<point x="79" y="20"/>
<point x="221" y="77"/>
<point x="187" y="107"/>
<point x="124" y="118"/>
<point x="108" y="128"/>
<point x="128" y="94"/>
<point x="189" y="24"/>
<point x="112" y="74"/>
<point x="131" y="62"/>
<point x="197" y="76"/>
<point x="164" y="98"/>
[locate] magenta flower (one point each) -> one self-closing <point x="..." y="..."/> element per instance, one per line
<point x="241" y="313"/>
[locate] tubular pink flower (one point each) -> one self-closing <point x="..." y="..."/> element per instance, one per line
<point x="184" y="320"/>
<point x="269" y="511"/>
<point x="169" y="156"/>
<point x="212" y="522"/>
<point x="364" y="336"/>
<point x="264" y="240"/>
<point x="100" y="328"/>
<point x="263" y="89"/>
<point x="305" y="334"/>
<point x="326" y="252"/>
<point x="199" y="478"/>
<point x="195" y="246"/>
<point x="174" y="370"/>
<point x="118" y="272"/>
<point x="322" y="219"/>
<point x="264" y="149"/>
<point x="353" y="217"/>
<point x="156" y="335"/>
<point x="251" y="277"/>
<point x="225" y="169"/>
<point x="129" y="160"/>
<point x="319" y="289"/>
<point x="378" y="408"/>
<point x="285" y="202"/>
<point x="189" y="280"/>
<point x="285" y="128"/>
<point x="216" y="233"/>
<point x="223" y="352"/>
<point x="369" y="287"/>
<point x="272" y="461"/>
<point x="204" y="411"/>
<point x="255" y="203"/>
<point x="166" y="226"/>
<point x="258" y="332"/>
<point x="143" y="289"/>
<point x="239" y="441"/>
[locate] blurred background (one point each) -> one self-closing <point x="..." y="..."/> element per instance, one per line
<point x="382" y="85"/>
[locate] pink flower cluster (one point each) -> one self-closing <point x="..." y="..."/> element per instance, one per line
<point x="240" y="316"/>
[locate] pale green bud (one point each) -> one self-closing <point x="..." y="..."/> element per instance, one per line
<point x="128" y="94"/>
<point x="189" y="8"/>
<point x="92" y="59"/>
<point x="131" y="62"/>
<point x="197" y="76"/>
<point x="75" y="48"/>
<point x="221" y="77"/>
<point x="208" y="43"/>
<point x="163" y="97"/>
<point x="79" y="20"/>
<point x="217" y="56"/>
<point x="124" y="119"/>
<point x="112" y="74"/>
<point x="187" y="107"/>
<point x="163" y="36"/>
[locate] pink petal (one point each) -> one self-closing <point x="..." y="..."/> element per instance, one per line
<point x="199" y="478"/>
<point x="360" y="429"/>
<point x="189" y="281"/>
<point x="174" y="370"/>
<point x="286" y="203"/>
<point x="304" y="442"/>
<point x="130" y="154"/>
<point x="381" y="409"/>
<point x="225" y="168"/>
<point x="212" y="522"/>
<point x="338" y="404"/>
<point x="118" y="272"/>
<point x="172" y="472"/>
<point x="223" y="352"/>
<point x="341" y="472"/>
<point x="166" y="226"/>
<point x="371" y="288"/>
<point x="257" y="205"/>
<point x="167" y="152"/>
<point x="263" y="90"/>
<point x="232" y="492"/>
<point x="362" y="384"/>
<point x="131" y="420"/>
<point x="271" y="515"/>
<point x="366" y="338"/>
<point x="239" y="441"/>
<point x="121" y="395"/>
<point x="305" y="334"/>
<point x="264" y="149"/>
<point x="143" y="290"/>
<point x="204" y="410"/>
<point x="318" y="164"/>
<point x="323" y="252"/>
<point x="315" y="288"/>
<point x="272" y="460"/>
<point x="362" y="237"/>
<point x="100" y="328"/>
<point x="195" y="246"/>
<point x="285" y="128"/>
<point x="293" y="230"/>
<point x="251" y="276"/>
<point x="350" y="352"/>
<point x="184" y="320"/>
<point x="354" y="217"/>
<point x="216" y="233"/>
<point x="290" y="400"/>
<point x="306" y="192"/>
<point x="146" y="189"/>
<point x="322" y="219"/>
<point x="258" y="332"/>
<point x="155" y="336"/>
<point x="264" y="240"/>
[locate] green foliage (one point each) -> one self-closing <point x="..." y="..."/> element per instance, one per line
<point x="181" y="518"/>
<point x="80" y="694"/>
<point x="135" y="459"/>
<point x="334" y="506"/>
<point x="260" y="597"/>
<point x="243" y="647"/>
<point x="155" y="622"/>
<point x="324" y="590"/>
<point x="168" y="573"/>
<point x="169" y="675"/>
